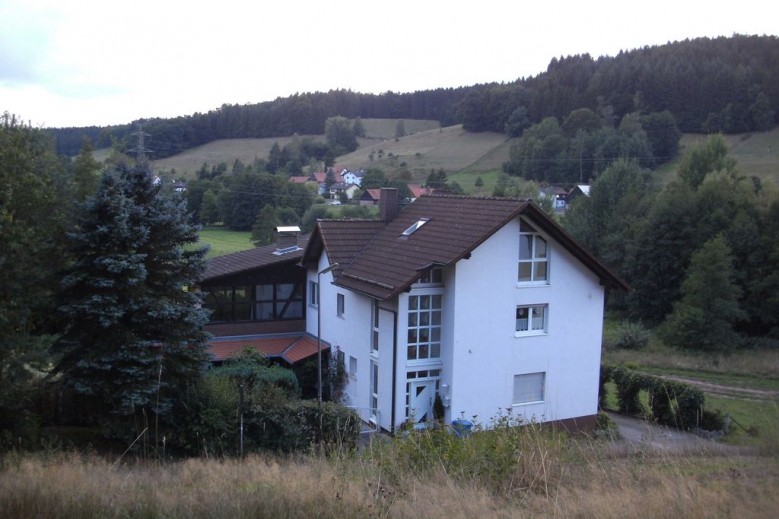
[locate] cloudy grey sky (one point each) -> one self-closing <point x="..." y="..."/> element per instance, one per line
<point x="97" y="62"/>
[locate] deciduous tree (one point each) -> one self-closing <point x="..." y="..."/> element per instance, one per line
<point x="704" y="317"/>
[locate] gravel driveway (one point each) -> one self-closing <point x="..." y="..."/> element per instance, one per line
<point x="638" y="434"/>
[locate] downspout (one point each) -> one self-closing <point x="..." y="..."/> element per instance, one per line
<point x="394" y="368"/>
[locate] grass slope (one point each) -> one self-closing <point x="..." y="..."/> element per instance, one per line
<point x="189" y="161"/>
<point x="450" y="148"/>
<point x="463" y="155"/>
<point x="223" y="241"/>
<point x="756" y="154"/>
<point x="426" y="146"/>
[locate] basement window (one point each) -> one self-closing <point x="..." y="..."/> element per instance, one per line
<point x="415" y="227"/>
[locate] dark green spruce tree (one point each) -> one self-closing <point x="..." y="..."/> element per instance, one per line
<point x="134" y="338"/>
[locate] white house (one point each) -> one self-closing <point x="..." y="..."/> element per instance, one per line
<point x="353" y="177"/>
<point x="486" y="302"/>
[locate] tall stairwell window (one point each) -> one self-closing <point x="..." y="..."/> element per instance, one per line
<point x="424" y="327"/>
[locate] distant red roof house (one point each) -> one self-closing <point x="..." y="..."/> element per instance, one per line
<point x="370" y="197"/>
<point x="300" y="179"/>
<point x="320" y="176"/>
<point x="417" y="190"/>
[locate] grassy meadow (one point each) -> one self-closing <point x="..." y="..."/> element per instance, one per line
<point x="507" y="472"/>
<point x="426" y="146"/>
<point x="503" y="474"/>
<point x="223" y="241"/>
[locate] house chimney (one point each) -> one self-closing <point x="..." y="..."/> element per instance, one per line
<point x="389" y="204"/>
<point x="287" y="238"/>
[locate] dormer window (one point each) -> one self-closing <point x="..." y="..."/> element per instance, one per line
<point x="533" y="255"/>
<point x="433" y="276"/>
<point x="415" y="227"/>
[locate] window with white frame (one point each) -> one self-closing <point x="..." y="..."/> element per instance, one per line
<point x="374" y="398"/>
<point x="375" y="327"/>
<point x="532" y="320"/>
<point x="313" y="293"/>
<point x="340" y="303"/>
<point x="424" y="327"/>
<point x="352" y="366"/>
<point x="433" y="276"/>
<point x="529" y="388"/>
<point x="533" y="255"/>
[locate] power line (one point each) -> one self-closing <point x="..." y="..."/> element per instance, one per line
<point x="140" y="150"/>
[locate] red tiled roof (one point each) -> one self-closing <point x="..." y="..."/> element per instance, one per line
<point x="372" y="194"/>
<point x="291" y="348"/>
<point x="321" y="176"/>
<point x="299" y="180"/>
<point x="417" y="190"/>
<point x="251" y="259"/>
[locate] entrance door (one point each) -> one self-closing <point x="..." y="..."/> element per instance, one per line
<point x="421" y="395"/>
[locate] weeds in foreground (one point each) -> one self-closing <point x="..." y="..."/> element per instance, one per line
<point x="505" y="472"/>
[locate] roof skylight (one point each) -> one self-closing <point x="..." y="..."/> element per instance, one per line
<point x="415" y="227"/>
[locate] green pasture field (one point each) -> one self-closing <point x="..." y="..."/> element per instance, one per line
<point x="223" y="241"/>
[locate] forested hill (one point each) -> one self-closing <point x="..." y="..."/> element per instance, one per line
<point x="728" y="85"/>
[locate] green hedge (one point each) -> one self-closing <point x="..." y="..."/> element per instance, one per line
<point x="670" y="403"/>
<point x="294" y="426"/>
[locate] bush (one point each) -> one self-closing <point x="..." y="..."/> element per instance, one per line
<point x="661" y="402"/>
<point x="670" y="403"/>
<point x="629" y="385"/>
<point x="294" y="426"/>
<point x="712" y="420"/>
<point x="503" y="458"/>
<point x="627" y="336"/>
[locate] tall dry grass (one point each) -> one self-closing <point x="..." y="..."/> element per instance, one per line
<point x="536" y="475"/>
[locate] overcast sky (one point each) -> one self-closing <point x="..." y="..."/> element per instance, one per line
<point x="98" y="62"/>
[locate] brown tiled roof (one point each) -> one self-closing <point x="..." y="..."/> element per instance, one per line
<point x="291" y="348"/>
<point x="390" y="262"/>
<point x="252" y="259"/>
<point x="455" y="226"/>
<point x="342" y="240"/>
<point x="299" y="179"/>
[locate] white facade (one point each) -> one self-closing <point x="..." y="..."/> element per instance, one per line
<point x="464" y="345"/>
<point x="353" y="177"/>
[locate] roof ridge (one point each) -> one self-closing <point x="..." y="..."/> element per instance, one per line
<point x="349" y="220"/>
<point x="470" y="197"/>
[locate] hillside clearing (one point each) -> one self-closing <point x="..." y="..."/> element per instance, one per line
<point x="188" y="162"/>
<point x="462" y="155"/>
<point x="451" y="149"/>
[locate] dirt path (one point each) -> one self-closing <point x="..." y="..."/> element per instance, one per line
<point x="723" y="390"/>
